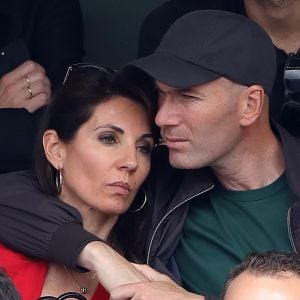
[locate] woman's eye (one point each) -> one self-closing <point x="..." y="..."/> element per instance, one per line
<point x="108" y="139"/>
<point x="145" y="148"/>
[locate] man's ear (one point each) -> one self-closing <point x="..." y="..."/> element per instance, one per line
<point x="53" y="148"/>
<point x="253" y="102"/>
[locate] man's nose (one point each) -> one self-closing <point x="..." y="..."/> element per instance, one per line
<point x="166" y="114"/>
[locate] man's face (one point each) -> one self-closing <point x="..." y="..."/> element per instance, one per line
<point x="247" y="286"/>
<point x="201" y="124"/>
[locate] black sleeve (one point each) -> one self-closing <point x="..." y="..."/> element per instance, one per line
<point x="39" y="225"/>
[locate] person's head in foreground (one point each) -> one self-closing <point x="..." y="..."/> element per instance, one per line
<point x="7" y="288"/>
<point x="265" y="276"/>
<point x="94" y="151"/>
<point x="213" y="71"/>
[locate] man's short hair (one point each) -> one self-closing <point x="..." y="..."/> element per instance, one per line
<point x="272" y="264"/>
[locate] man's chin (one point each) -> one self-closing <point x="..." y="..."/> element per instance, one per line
<point x="179" y="161"/>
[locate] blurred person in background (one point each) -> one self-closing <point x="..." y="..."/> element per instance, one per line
<point x="38" y="41"/>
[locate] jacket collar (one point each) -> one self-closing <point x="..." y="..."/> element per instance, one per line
<point x="291" y="149"/>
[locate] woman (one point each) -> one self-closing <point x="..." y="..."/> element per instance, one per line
<point x="94" y="154"/>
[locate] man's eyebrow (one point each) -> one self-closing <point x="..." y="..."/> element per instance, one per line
<point x="191" y="90"/>
<point x="188" y="90"/>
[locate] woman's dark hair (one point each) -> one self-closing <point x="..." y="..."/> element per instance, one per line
<point x="72" y="106"/>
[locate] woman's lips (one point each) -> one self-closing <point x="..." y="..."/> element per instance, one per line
<point x="121" y="188"/>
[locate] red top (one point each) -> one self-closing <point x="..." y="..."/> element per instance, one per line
<point x="28" y="274"/>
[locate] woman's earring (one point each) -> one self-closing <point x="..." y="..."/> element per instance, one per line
<point x="58" y="181"/>
<point x="143" y="204"/>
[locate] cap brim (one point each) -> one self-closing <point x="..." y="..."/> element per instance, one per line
<point x="172" y="70"/>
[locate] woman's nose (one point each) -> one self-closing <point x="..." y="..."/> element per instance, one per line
<point x="129" y="161"/>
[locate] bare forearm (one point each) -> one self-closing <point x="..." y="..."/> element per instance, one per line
<point x="112" y="269"/>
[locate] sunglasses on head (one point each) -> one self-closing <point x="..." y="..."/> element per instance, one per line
<point x="81" y="67"/>
<point x="291" y="75"/>
<point x="69" y="295"/>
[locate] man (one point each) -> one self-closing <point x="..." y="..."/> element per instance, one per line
<point x="279" y="18"/>
<point x="263" y="276"/>
<point x="214" y="71"/>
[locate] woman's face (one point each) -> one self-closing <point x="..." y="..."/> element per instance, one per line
<point x="109" y="158"/>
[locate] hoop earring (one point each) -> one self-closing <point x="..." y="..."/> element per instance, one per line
<point x="143" y="204"/>
<point x="58" y="181"/>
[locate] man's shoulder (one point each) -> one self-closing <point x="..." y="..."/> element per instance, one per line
<point x="19" y="181"/>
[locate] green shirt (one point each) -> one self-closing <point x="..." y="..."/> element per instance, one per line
<point x="219" y="232"/>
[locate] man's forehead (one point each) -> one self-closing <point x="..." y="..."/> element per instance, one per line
<point x="170" y="89"/>
<point x="162" y="87"/>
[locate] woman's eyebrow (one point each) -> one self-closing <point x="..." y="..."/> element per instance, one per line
<point x="147" y="135"/>
<point x="110" y="126"/>
<point x="120" y="130"/>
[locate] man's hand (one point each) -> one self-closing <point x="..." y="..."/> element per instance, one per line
<point x="27" y="87"/>
<point x="160" y="287"/>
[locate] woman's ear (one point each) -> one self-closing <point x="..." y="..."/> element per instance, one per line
<point x="253" y="102"/>
<point x="53" y="148"/>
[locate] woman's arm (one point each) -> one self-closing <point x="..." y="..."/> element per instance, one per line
<point x="113" y="270"/>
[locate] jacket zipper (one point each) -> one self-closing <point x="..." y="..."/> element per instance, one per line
<point x="289" y="230"/>
<point x="168" y="213"/>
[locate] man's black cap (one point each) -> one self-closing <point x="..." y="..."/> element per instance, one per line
<point x="204" y="45"/>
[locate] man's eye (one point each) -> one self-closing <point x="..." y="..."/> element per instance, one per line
<point x="189" y="96"/>
<point x="108" y="139"/>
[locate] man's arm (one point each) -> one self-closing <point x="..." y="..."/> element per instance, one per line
<point x="44" y="227"/>
<point x="39" y="225"/>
